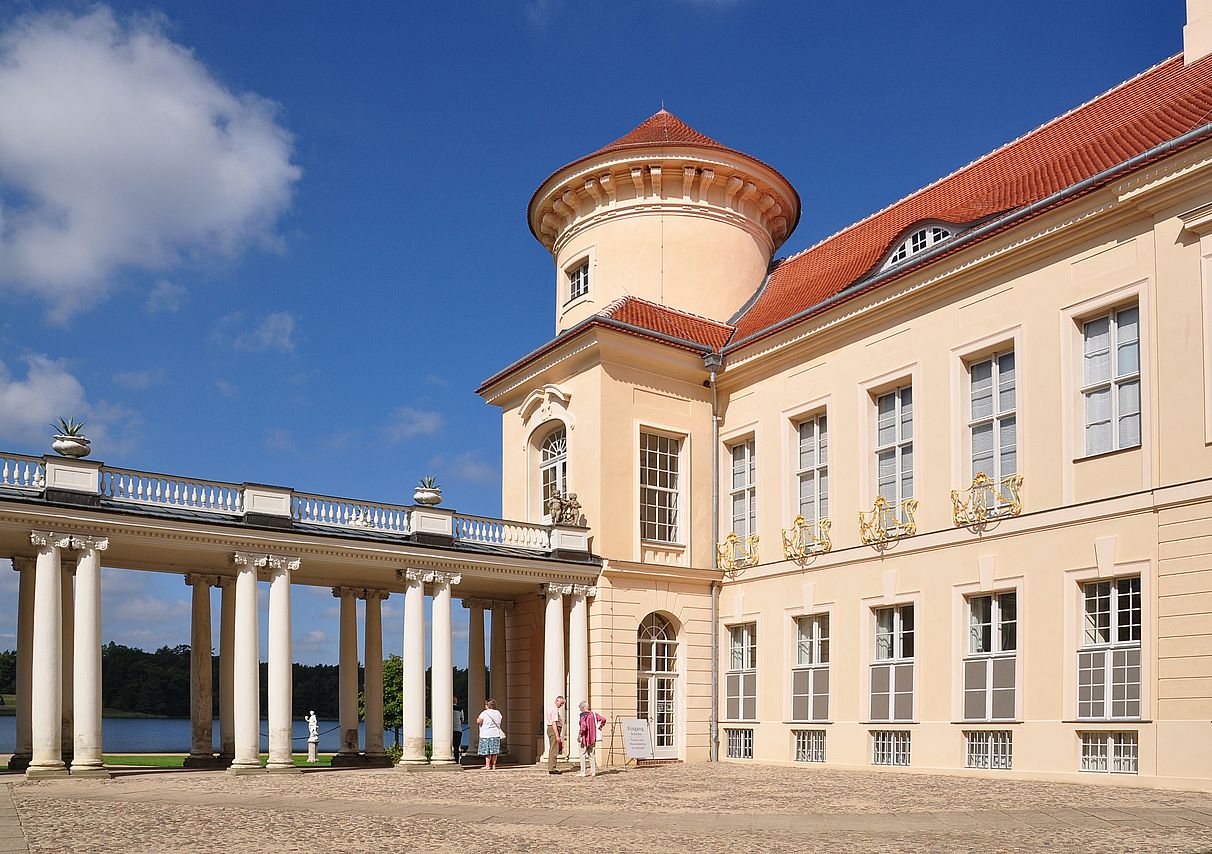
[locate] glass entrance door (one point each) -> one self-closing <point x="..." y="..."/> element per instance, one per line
<point x="657" y="684"/>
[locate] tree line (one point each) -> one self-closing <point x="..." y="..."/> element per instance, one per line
<point x="134" y="681"/>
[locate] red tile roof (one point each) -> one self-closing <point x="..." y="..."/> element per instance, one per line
<point x="667" y="321"/>
<point x="663" y="128"/>
<point x="1155" y="107"/>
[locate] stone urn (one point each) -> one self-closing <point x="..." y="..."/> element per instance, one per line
<point x="71" y="446"/>
<point x="429" y="496"/>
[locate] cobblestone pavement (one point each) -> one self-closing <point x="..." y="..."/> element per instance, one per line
<point x="681" y="807"/>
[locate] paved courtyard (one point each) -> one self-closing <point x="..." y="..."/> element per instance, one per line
<point x="683" y="808"/>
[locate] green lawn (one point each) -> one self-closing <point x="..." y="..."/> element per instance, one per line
<point x="152" y="760"/>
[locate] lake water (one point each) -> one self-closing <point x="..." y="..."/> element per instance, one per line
<point x="171" y="735"/>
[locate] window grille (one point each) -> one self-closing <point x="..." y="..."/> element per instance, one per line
<point x="740" y="743"/>
<point x="659" y="488"/>
<point x="809" y="745"/>
<point x="890" y="747"/>
<point x="1111" y="380"/>
<point x="992" y="749"/>
<point x="1110" y="752"/>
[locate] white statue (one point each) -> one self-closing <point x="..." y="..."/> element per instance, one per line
<point x="313" y="736"/>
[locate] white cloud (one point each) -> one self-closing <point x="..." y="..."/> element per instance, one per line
<point x="408" y="422"/>
<point x="276" y="331"/>
<point x="278" y="439"/>
<point x="118" y="150"/>
<point x="165" y="297"/>
<point x="139" y="379"/>
<point x="227" y="389"/>
<point x="468" y="465"/>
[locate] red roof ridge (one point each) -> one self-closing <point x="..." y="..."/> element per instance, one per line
<point x="983" y="157"/>
<point x="609" y="310"/>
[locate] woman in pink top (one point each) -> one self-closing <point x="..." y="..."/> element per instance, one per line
<point x="587" y="736"/>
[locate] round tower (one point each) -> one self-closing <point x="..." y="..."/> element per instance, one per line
<point x="664" y="213"/>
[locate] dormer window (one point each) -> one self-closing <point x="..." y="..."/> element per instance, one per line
<point x="916" y="243"/>
<point x="578" y="281"/>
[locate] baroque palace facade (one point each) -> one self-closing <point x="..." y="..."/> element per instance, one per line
<point x="935" y="493"/>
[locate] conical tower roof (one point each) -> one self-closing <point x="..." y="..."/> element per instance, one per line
<point x="663" y="128"/>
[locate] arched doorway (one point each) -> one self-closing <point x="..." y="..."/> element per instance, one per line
<point x="657" y="683"/>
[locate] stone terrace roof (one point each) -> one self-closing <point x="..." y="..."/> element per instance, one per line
<point x="1152" y="108"/>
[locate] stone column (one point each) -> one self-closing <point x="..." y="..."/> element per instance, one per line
<point x="373" y="691"/>
<point x="578" y="658"/>
<point x="86" y="756"/>
<point x="281" y="752"/>
<point x="227" y="669"/>
<point x="414" y="669"/>
<point x="499" y="689"/>
<point x="553" y="651"/>
<point x="24" y="746"/>
<point x="246" y="678"/>
<point x="67" y="577"/>
<point x="201" y="728"/>
<point x="442" y="705"/>
<point x="475" y="670"/>
<point x="47" y="684"/>
<point x="347" y="685"/>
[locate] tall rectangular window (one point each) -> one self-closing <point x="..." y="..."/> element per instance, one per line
<point x="812" y="470"/>
<point x="992" y="422"/>
<point x="810" y="676"/>
<point x="741" y="679"/>
<point x="578" y="281"/>
<point x="1109" y="660"/>
<point x="744" y="488"/>
<point x="659" y="488"/>
<point x="892" y="669"/>
<point x="894" y="445"/>
<point x="989" y="663"/>
<point x="1111" y="380"/>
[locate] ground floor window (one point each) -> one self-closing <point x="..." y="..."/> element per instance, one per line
<point x="890" y="747"/>
<point x="740" y="743"/>
<point x="1109" y="752"/>
<point x="989" y="749"/>
<point x="809" y="745"/>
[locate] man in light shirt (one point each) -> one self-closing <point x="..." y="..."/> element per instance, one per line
<point x="555" y="734"/>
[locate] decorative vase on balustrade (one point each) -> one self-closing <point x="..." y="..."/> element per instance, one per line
<point x="428" y="497"/>
<point x="71" y="446"/>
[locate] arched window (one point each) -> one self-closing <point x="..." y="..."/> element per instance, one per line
<point x="658" y="646"/>
<point x="917" y="242"/>
<point x="553" y="464"/>
<point x="657" y="683"/>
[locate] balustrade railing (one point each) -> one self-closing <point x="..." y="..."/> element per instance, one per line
<point x="806" y="538"/>
<point x="500" y="532"/>
<point x="987" y="501"/>
<point x="344" y="513"/>
<point x="737" y="553"/>
<point x="161" y="490"/>
<point x="887" y="521"/>
<point x="17" y="471"/>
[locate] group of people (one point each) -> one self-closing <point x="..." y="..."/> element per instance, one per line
<point x="589" y="732"/>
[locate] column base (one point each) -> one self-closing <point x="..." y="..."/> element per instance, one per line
<point x="348" y="760"/>
<point x="91" y="772"/>
<point x="19" y="762"/>
<point x="206" y="761"/>
<point x="237" y="769"/>
<point x="46" y="772"/>
<point x="379" y="760"/>
<point x="283" y="769"/>
<point x="445" y="765"/>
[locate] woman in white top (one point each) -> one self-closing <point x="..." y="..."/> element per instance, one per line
<point x="490" y="734"/>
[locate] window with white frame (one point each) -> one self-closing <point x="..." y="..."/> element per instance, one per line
<point x="992" y="749"/>
<point x="740" y="743"/>
<point x="578" y="281"/>
<point x="890" y="747"/>
<point x="1109" y="660"/>
<point x="744" y="488"/>
<point x="894" y="445"/>
<point x="812" y="472"/>
<point x="992" y="426"/>
<point x="660" y="485"/>
<point x="809" y="745"/>
<point x="1111" y="380"/>
<point x="1110" y="752"/>
<point x="916" y="243"/>
<point x="553" y="464"/>
<point x="892" y="668"/>
<point x="810" y="676"/>
<point x="990" y="659"/>
<point x="741" y="679"/>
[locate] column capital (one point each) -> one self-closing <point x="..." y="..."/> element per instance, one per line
<point x="261" y="560"/>
<point x="342" y="592"/>
<point x="193" y="579"/>
<point x="20" y="564"/>
<point x="85" y="543"/>
<point x="249" y="559"/>
<point x="587" y="591"/>
<point x="368" y="594"/>
<point x="552" y="589"/>
<point x="286" y="562"/>
<point x="451" y="578"/>
<point x="407" y="575"/>
<point x="43" y="539"/>
<point x="224" y="582"/>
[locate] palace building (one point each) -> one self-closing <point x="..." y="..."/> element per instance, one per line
<point x="932" y="494"/>
<point x="935" y="493"/>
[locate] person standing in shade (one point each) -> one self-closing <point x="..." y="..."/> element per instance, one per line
<point x="456" y="736"/>
<point x="491" y="733"/>
<point x="555" y="734"/>
<point x="587" y="737"/>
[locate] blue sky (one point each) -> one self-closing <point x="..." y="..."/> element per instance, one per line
<point x="273" y="242"/>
